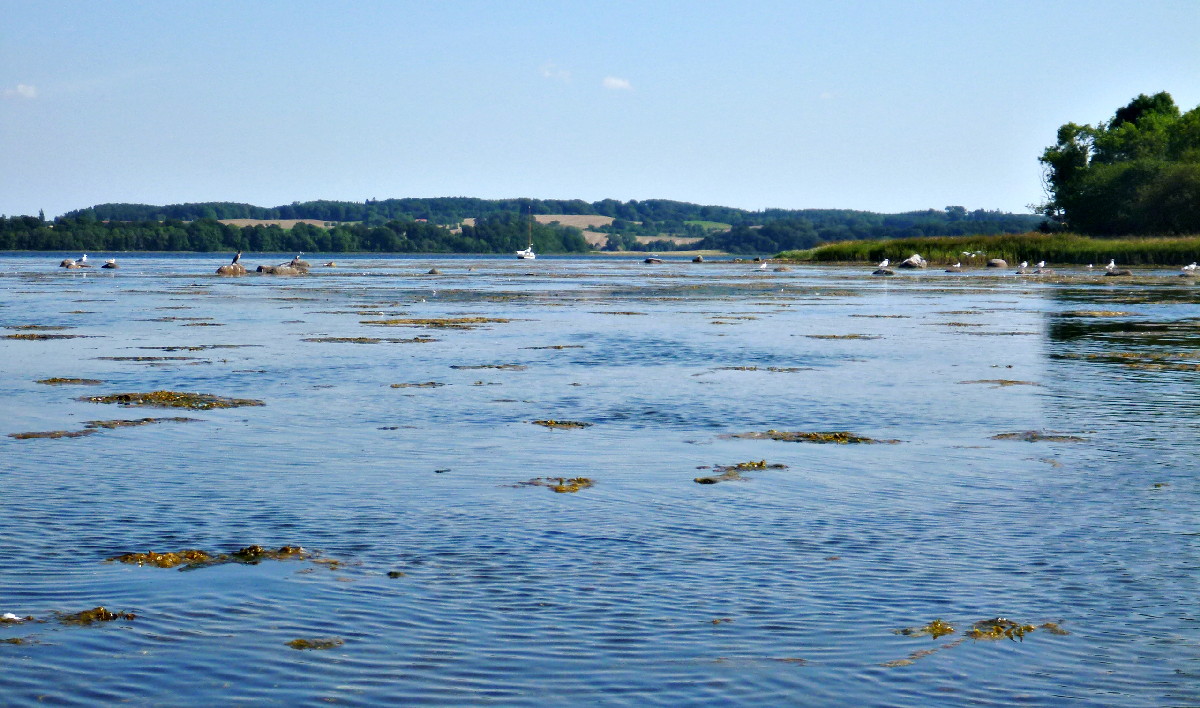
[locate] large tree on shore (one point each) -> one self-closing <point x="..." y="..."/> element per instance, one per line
<point x="1138" y="173"/>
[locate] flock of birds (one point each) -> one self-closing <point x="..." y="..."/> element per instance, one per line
<point x="81" y="262"/>
<point x="1023" y="267"/>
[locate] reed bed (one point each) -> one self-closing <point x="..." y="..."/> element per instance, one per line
<point x="1032" y="247"/>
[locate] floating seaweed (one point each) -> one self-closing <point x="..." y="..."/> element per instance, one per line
<point x="10" y="618"/>
<point x="728" y="473"/>
<point x="437" y="323"/>
<point x="37" y="328"/>
<point x="62" y="381"/>
<point x="51" y="434"/>
<point x="935" y="629"/>
<point x="393" y="574"/>
<point x="370" y="340"/>
<point x="1038" y="436"/>
<point x="315" y="643"/>
<point x="124" y="423"/>
<point x="983" y="630"/>
<point x="505" y="367"/>
<point x="164" y="560"/>
<point x="839" y="437"/>
<point x="561" y="424"/>
<point x="560" y="485"/>
<point x="1000" y="628"/>
<point x="1001" y="383"/>
<point x="558" y="346"/>
<point x="607" y="312"/>
<point x="427" y="384"/>
<point x="35" y="336"/>
<point x="1098" y="313"/>
<point x="173" y="399"/>
<point x="146" y="358"/>
<point x="96" y="614"/>
<point x="844" y="336"/>
<point x="191" y="558"/>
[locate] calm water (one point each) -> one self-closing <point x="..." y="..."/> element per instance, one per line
<point x="646" y="588"/>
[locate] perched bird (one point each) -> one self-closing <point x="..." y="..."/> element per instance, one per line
<point x="1090" y="266"/>
<point x="1040" y="264"/>
<point x="883" y="263"/>
<point x="1024" y="264"/>
<point x="83" y="258"/>
<point x="237" y="257"/>
<point x="1112" y="264"/>
<point x="1189" y="268"/>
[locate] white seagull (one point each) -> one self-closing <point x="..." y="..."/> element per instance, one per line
<point x="1041" y="264"/>
<point x="883" y="263"/>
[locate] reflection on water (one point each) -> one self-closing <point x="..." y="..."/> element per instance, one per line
<point x="438" y="577"/>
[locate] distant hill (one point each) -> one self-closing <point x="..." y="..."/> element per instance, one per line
<point x="652" y="224"/>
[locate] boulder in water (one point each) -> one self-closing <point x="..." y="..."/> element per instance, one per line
<point x="232" y="269"/>
<point x="997" y="263"/>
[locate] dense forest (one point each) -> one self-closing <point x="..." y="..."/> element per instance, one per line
<point x="1136" y="174"/>
<point x="433" y="226"/>
<point x="499" y="233"/>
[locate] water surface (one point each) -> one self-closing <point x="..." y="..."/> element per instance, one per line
<point x="646" y="588"/>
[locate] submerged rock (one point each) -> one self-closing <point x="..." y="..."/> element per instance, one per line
<point x="1119" y="271"/>
<point x="884" y="271"/>
<point x="281" y="270"/>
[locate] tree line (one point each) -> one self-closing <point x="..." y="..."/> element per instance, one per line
<point x="1135" y="174"/>
<point x="500" y="233"/>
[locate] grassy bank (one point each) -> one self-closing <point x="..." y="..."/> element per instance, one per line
<point x="1014" y="248"/>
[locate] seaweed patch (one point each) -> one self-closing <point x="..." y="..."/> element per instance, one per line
<point x="62" y="381"/>
<point x="173" y="399"/>
<point x="1038" y="436"/>
<point x="96" y="614"/>
<point x="561" y="424"/>
<point x="303" y="644"/>
<point x="731" y="473"/>
<point x="837" y="437"/>
<point x="560" y="485"/>
<point x="51" y="434"/>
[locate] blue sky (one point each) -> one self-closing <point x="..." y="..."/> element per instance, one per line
<point x="884" y="106"/>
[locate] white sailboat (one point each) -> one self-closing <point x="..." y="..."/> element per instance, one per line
<point x="527" y="254"/>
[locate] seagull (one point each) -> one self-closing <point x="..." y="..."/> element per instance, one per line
<point x="1112" y="264"/>
<point x="762" y="266"/>
<point x="1024" y="264"/>
<point x="958" y="264"/>
<point x="83" y="258"/>
<point x="1189" y="268"/>
<point x="883" y="263"/>
<point x="1040" y="264"/>
<point x="1090" y="266"/>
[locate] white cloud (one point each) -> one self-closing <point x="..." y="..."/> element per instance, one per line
<point x="551" y="71"/>
<point x="614" y="84"/>
<point x="21" y="91"/>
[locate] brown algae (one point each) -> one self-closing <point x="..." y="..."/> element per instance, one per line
<point x="560" y="485"/>
<point x="173" y="399"/>
<point x="427" y="384"/>
<point x="729" y="473"/>
<point x="1038" y="436"/>
<point x="502" y="367"/>
<point x="935" y="629"/>
<point x="51" y="434"/>
<point x="33" y="336"/>
<point x="437" y="323"/>
<point x="96" y="614"/>
<point x="561" y="424"/>
<point x="164" y="560"/>
<point x="1001" y="383"/>
<point x="63" y="381"/>
<point x="837" y="437"/>
<point x="303" y="644"/>
<point x="192" y="558"/>
<point x="125" y="423"/>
